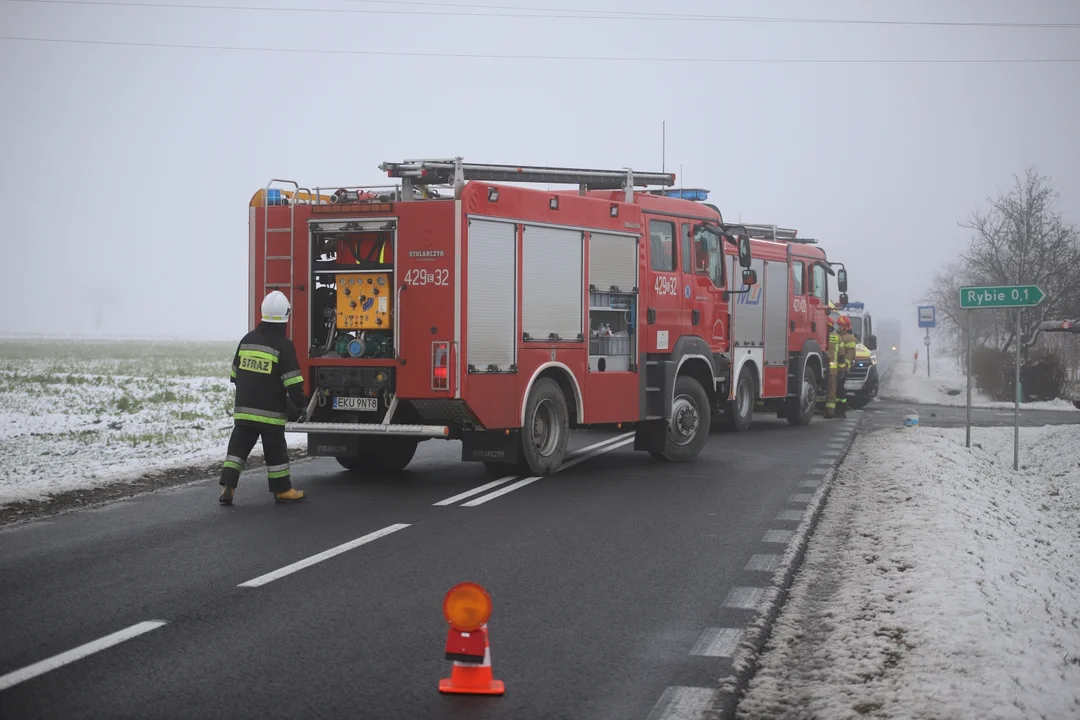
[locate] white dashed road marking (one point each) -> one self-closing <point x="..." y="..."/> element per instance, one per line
<point x="817" y="471"/>
<point x="787" y="515"/>
<point x="809" y="483"/>
<point x="57" y="661"/>
<point x="717" y="642"/>
<point x="682" y="703"/>
<point x="765" y="563"/>
<point x="744" y="598"/>
<point x="324" y="555"/>
<point x="801" y="498"/>
<point x="778" y="536"/>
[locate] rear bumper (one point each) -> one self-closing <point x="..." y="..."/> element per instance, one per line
<point x="325" y="428"/>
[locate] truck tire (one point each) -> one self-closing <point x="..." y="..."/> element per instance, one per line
<point x="383" y="454"/>
<point x="547" y="428"/>
<point x="801" y="410"/>
<point x="691" y="419"/>
<point x="858" y="402"/>
<point x="740" y="411"/>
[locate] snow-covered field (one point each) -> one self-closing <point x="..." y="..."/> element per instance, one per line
<point x="947" y="385"/>
<point x="938" y="584"/>
<point x="76" y="415"/>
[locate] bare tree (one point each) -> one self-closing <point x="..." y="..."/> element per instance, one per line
<point x="1020" y="240"/>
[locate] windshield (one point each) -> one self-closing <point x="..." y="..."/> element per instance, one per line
<point x="856" y="324"/>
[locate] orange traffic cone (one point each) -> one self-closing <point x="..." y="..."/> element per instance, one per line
<point x="473" y="678"/>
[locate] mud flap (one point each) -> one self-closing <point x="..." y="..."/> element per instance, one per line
<point x="493" y="446"/>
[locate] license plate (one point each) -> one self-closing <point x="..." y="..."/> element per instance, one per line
<point x="356" y="404"/>
<point x="854" y="385"/>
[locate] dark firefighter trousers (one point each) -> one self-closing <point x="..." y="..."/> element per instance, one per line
<point x="275" y="451"/>
<point x="841" y="391"/>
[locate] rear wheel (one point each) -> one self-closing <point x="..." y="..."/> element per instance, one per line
<point x="691" y="418"/>
<point x="547" y="428"/>
<point x="381" y="454"/>
<point x="740" y="411"/>
<point x="801" y="408"/>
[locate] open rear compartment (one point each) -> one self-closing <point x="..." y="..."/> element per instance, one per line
<point x="358" y="364"/>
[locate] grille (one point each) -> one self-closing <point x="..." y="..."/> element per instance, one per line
<point x="859" y="370"/>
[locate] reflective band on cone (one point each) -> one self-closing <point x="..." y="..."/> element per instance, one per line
<point x="473" y="678"/>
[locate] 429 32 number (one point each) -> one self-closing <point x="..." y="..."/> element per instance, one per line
<point x="665" y="285"/>
<point x="423" y="276"/>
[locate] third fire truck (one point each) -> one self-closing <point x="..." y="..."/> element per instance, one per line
<point x="457" y="304"/>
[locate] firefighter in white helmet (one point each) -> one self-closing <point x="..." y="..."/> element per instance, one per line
<point x="267" y="377"/>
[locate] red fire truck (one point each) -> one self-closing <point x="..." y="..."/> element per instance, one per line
<point x="457" y="305"/>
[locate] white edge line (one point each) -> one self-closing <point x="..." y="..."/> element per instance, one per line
<point x="498" y="493"/>
<point x="325" y="554"/>
<point x="590" y="456"/>
<point x="57" y="661"/>
<point x="573" y="455"/>
<point x="587" y="448"/>
<point x="475" y="490"/>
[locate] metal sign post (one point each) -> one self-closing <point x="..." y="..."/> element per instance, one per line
<point x="969" y="344"/>
<point x="997" y="297"/>
<point x="927" y="319"/>
<point x="1016" y="399"/>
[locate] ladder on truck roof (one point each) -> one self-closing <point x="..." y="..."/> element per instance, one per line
<point x="455" y="172"/>
<point x="280" y="199"/>
<point x="772" y="232"/>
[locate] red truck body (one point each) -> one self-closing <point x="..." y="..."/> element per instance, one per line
<point x="468" y="316"/>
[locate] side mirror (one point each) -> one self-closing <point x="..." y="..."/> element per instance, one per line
<point x="871" y="343"/>
<point x="744" y="251"/>
<point x="843" y="299"/>
<point x="749" y="277"/>
<point x="841" y="281"/>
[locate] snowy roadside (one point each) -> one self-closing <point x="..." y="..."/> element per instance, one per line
<point x="947" y="385"/>
<point x="80" y="416"/>
<point x="939" y="583"/>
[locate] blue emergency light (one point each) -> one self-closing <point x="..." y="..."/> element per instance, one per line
<point x="855" y="305"/>
<point x="698" y="194"/>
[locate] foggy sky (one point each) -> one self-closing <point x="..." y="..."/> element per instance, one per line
<point x="127" y="170"/>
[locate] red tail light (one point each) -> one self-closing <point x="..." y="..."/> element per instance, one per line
<point x="440" y="366"/>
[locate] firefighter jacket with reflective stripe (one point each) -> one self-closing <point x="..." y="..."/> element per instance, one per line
<point x="834" y="349"/>
<point x="264" y="370"/>
<point x="847" y="349"/>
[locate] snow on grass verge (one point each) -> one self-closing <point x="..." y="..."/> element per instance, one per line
<point x="77" y="415"/>
<point x="947" y="385"/>
<point x="939" y="583"/>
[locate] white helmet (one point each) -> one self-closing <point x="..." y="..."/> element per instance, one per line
<point x="276" y="308"/>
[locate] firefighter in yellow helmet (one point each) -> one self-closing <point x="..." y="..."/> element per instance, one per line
<point x="845" y="357"/>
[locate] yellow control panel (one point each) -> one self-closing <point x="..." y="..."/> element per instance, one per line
<point x="364" y="301"/>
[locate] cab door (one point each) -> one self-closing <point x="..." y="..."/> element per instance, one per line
<point x="663" y="290"/>
<point x="708" y="282"/>
<point x="799" y="325"/>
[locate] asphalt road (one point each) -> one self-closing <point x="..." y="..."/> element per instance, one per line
<point x="613" y="581"/>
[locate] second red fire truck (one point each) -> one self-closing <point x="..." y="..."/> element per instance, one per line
<point x="457" y="305"/>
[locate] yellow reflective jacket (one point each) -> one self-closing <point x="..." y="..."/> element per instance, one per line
<point x="847" y="345"/>
<point x="834" y="349"/>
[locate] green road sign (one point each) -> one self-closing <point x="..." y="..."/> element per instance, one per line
<point x="1001" y="296"/>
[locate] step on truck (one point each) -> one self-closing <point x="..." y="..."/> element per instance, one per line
<point x="457" y="304"/>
